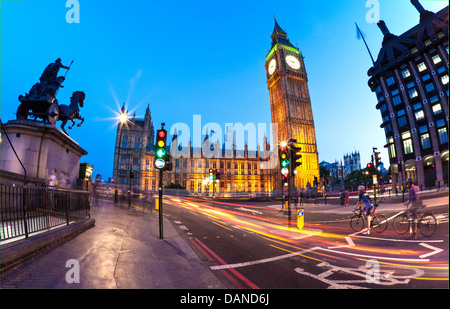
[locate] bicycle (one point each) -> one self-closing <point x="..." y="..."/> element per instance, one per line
<point x="425" y="222"/>
<point x="379" y="222"/>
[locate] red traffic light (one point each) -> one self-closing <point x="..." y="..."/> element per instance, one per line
<point x="210" y="171"/>
<point x="161" y="134"/>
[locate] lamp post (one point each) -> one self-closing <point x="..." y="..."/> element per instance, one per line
<point x="123" y="118"/>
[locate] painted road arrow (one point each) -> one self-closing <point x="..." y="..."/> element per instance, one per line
<point x="435" y="250"/>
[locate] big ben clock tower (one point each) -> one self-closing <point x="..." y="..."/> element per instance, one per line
<point x="290" y="103"/>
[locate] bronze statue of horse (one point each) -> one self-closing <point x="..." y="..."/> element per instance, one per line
<point x="72" y="111"/>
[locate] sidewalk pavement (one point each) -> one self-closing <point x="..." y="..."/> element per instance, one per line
<point x="123" y="250"/>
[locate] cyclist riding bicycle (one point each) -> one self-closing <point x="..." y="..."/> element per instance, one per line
<point x="413" y="198"/>
<point x="365" y="198"/>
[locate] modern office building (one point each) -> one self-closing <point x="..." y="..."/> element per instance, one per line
<point x="410" y="80"/>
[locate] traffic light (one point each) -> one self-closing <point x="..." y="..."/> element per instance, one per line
<point x="211" y="174"/>
<point x="284" y="156"/>
<point x="296" y="156"/>
<point x="217" y="174"/>
<point x="378" y="159"/>
<point x="369" y="168"/>
<point x="160" y="151"/>
<point x="168" y="166"/>
<point x="284" y="180"/>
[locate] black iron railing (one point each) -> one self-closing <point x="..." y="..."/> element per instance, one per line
<point x="27" y="210"/>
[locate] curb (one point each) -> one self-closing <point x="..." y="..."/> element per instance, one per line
<point x="16" y="253"/>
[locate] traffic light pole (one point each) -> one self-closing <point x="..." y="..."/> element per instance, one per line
<point x="160" y="205"/>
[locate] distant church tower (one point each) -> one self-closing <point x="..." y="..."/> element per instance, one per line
<point x="290" y="103"/>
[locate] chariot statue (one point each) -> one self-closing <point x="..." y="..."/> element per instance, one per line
<point x="41" y="102"/>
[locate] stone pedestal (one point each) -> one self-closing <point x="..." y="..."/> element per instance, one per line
<point x="41" y="147"/>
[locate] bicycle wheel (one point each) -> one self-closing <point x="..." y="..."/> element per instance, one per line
<point x="401" y="224"/>
<point x="357" y="223"/>
<point x="379" y="223"/>
<point x="427" y="224"/>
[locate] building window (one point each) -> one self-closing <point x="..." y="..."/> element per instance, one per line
<point x="426" y="77"/>
<point x="412" y="93"/>
<point x="383" y="108"/>
<point x="390" y="81"/>
<point x="137" y="142"/>
<point x="443" y="137"/>
<point x="135" y="164"/>
<point x="421" y="66"/>
<point x="417" y="106"/>
<point x="436" y="59"/>
<point x="387" y="128"/>
<point x="391" y="147"/>
<point x="406" y="73"/>
<point x="429" y="87"/>
<point x="425" y="141"/>
<point x="407" y="142"/>
<point x="125" y="141"/>
<point x="402" y="121"/>
<point x="444" y="79"/>
<point x="433" y="99"/>
<point x="396" y="100"/>
<point x="419" y="115"/>
<point x="436" y="108"/>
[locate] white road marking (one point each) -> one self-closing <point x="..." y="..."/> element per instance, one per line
<point x="350" y="243"/>
<point x="267" y="260"/>
<point x="435" y="250"/>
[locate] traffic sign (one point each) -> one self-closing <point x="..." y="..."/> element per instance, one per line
<point x="300" y="218"/>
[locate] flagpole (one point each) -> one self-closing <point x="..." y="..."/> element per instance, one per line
<point x="360" y="33"/>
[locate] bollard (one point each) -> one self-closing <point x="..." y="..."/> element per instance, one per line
<point x="300" y="218"/>
<point x="156" y="204"/>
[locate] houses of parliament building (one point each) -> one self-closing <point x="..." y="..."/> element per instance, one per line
<point x="242" y="170"/>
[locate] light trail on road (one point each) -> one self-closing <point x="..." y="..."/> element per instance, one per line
<point x="338" y="244"/>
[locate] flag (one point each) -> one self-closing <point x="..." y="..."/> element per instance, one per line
<point x="358" y="32"/>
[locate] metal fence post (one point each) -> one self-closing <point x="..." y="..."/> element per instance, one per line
<point x="24" y="203"/>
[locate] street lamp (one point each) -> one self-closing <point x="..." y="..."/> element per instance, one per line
<point x="123" y="118"/>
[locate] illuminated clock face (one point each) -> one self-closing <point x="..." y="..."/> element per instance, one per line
<point x="293" y="62"/>
<point x="272" y="66"/>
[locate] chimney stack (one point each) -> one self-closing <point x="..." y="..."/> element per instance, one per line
<point x="418" y="6"/>
<point x="383" y="27"/>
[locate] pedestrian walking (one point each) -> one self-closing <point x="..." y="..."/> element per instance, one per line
<point x="347" y="197"/>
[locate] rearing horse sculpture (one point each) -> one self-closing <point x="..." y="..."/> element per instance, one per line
<point x="72" y="111"/>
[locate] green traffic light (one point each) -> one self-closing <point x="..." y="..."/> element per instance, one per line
<point x="160" y="153"/>
<point x="284" y="163"/>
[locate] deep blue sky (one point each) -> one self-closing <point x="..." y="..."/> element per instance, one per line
<point x="205" y="58"/>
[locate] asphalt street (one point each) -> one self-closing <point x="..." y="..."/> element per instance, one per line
<point x="255" y="245"/>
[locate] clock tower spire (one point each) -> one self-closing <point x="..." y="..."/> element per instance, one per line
<point x="290" y="103"/>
